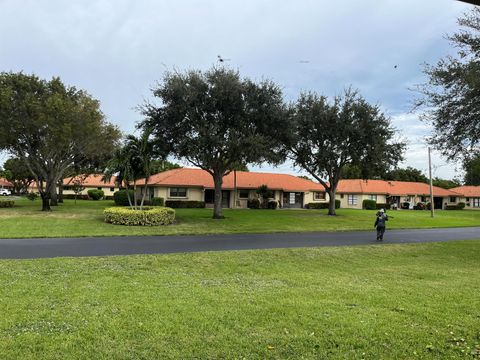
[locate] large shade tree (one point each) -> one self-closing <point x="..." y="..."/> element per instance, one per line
<point x="472" y="171"/>
<point x="52" y="128"/>
<point x="450" y="99"/>
<point x="325" y="136"/>
<point x="217" y="121"/>
<point x="17" y="172"/>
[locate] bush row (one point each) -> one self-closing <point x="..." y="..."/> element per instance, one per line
<point x="154" y="216"/>
<point x="369" y="204"/>
<point x="323" y="205"/>
<point x="459" y="206"/>
<point x="177" y="204"/>
<point x="95" y="194"/>
<point x="7" y="203"/>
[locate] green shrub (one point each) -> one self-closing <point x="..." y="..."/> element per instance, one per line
<point x="272" y="204"/>
<point x="121" y="199"/>
<point x="147" y="217"/>
<point x="7" y="203"/>
<point x="188" y="204"/>
<point x="158" y="201"/>
<point x="317" y="206"/>
<point x="369" y="204"/>
<point x="455" y="207"/>
<point x="95" y="194"/>
<point x="337" y="204"/>
<point x="461" y="205"/>
<point x="405" y="205"/>
<point x="32" y="196"/>
<point x="322" y="205"/>
<point x="253" y="204"/>
<point x="383" y="206"/>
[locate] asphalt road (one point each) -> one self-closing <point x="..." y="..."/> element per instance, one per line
<point x="104" y="246"/>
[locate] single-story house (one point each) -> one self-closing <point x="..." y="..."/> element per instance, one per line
<point x="352" y="192"/>
<point x="196" y="184"/>
<point x="290" y="191"/>
<point x="90" y="182"/>
<point x="470" y="196"/>
<point x="5" y="184"/>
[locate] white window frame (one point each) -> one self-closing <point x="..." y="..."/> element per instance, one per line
<point x="319" y="195"/>
<point x="372" y="197"/>
<point x="177" y="196"/>
<point x="352" y="199"/>
<point x="240" y="191"/>
<point x="476" y="202"/>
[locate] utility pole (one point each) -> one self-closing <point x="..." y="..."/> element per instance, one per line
<point x="432" y="204"/>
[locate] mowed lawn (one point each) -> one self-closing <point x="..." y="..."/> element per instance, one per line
<point x="86" y="219"/>
<point x="372" y="302"/>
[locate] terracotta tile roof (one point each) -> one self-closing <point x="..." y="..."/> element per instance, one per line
<point x="94" y="180"/>
<point x="468" y="191"/>
<point x="394" y="188"/>
<point x="245" y="180"/>
<point x="5" y="183"/>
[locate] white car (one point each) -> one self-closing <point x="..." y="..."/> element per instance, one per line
<point x="5" y="192"/>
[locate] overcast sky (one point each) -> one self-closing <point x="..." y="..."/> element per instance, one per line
<point x="116" y="50"/>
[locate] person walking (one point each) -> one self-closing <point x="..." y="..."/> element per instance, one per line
<point x="380" y="224"/>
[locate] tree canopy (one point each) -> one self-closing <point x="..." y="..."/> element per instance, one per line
<point x="407" y="174"/>
<point x="17" y="172"/>
<point x="217" y="121"/>
<point x="450" y="97"/>
<point x="52" y="128"/>
<point x="325" y="136"/>
<point x="472" y="171"/>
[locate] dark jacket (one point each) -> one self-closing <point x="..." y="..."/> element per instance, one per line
<point x="381" y="220"/>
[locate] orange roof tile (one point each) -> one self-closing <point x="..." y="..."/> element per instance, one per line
<point x="468" y="191"/>
<point x="5" y="183"/>
<point x="94" y="180"/>
<point x="245" y="180"/>
<point x="393" y="188"/>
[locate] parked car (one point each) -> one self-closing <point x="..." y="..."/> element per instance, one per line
<point x="5" y="192"/>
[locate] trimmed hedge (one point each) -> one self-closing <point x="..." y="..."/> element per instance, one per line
<point x="461" y="205"/>
<point x="157" y="201"/>
<point x="79" y="196"/>
<point x="322" y="205"/>
<point x="455" y="207"/>
<point x="32" y="196"/>
<point x="188" y="204"/>
<point x="369" y="204"/>
<point x="121" y="199"/>
<point x="95" y="194"/>
<point x="7" y="203"/>
<point x="147" y="217"/>
<point x="253" y="204"/>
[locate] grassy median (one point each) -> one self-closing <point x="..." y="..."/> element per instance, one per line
<point x="86" y="219"/>
<point x="393" y="301"/>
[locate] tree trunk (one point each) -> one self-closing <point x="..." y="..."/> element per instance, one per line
<point x="217" y="206"/>
<point x="331" y="204"/>
<point x="60" y="192"/>
<point x="144" y="192"/>
<point x="53" y="196"/>
<point x="46" y="202"/>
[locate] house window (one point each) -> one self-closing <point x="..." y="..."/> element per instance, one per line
<point x="372" y="197"/>
<point x="453" y="199"/>
<point x="423" y="199"/>
<point x="112" y="189"/>
<point x="476" y="202"/>
<point x="352" y="199"/>
<point x="99" y="188"/>
<point x="178" y="192"/>
<point x="341" y="196"/>
<point x="319" y="195"/>
<point x="467" y="199"/>
<point x="66" y="188"/>
<point x="243" y="194"/>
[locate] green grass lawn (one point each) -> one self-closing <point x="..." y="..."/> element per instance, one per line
<point x="372" y="302"/>
<point x="86" y="219"/>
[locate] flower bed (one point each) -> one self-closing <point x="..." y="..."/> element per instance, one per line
<point x="154" y="216"/>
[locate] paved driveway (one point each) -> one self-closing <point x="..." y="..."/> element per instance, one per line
<point x="102" y="246"/>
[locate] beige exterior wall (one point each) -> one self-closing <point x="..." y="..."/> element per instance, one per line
<point x="193" y="194"/>
<point x="469" y="202"/>
<point x="106" y="190"/>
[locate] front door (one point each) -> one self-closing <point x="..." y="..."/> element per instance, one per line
<point x="210" y="198"/>
<point x="292" y="200"/>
